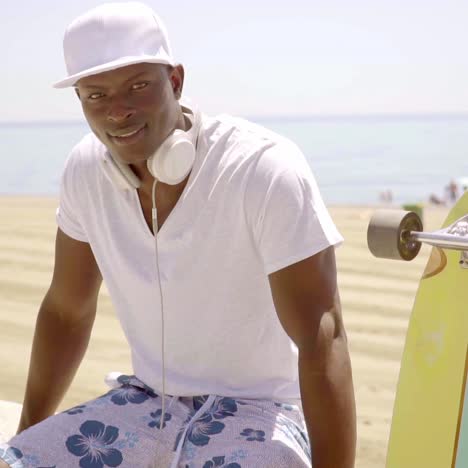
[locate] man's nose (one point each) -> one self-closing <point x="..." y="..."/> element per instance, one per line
<point x="119" y="112"/>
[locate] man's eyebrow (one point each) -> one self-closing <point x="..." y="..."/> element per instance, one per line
<point x="100" y="86"/>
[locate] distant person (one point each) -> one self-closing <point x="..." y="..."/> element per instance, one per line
<point x="436" y="200"/>
<point x="389" y="197"/>
<point x="386" y="197"/>
<point x="452" y="191"/>
<point x="234" y="323"/>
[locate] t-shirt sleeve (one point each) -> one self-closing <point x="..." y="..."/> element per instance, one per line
<point x="68" y="211"/>
<point x="288" y="217"/>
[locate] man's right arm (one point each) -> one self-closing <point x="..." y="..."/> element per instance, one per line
<point x="63" y="328"/>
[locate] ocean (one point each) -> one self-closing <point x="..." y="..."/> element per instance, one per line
<point x="355" y="159"/>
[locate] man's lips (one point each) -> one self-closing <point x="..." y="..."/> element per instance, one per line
<point x="127" y="136"/>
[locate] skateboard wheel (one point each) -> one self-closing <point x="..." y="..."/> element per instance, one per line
<point x="388" y="234"/>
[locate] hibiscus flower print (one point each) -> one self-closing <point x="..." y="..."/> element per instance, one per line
<point x="128" y="394"/>
<point x="156" y="415"/>
<point x="132" y="391"/>
<point x="219" y="462"/>
<point x="76" y="409"/>
<point x="253" y="435"/>
<point x="301" y="438"/>
<point x="130" y="440"/>
<point x="94" y="445"/>
<point x="285" y="406"/>
<point x="202" y="428"/>
<point x="132" y="380"/>
<point x="199" y="430"/>
<point x="11" y="455"/>
<point x="124" y="379"/>
<point x="221" y="408"/>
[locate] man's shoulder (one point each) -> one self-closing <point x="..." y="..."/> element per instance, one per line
<point x="250" y="141"/>
<point x="80" y="165"/>
<point x="241" y="129"/>
<point x="88" y="148"/>
<point x="84" y="157"/>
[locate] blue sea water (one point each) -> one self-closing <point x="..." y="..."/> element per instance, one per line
<point x="353" y="159"/>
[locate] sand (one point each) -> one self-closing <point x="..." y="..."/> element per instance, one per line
<point x="377" y="297"/>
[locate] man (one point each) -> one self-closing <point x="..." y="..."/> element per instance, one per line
<point x="218" y="252"/>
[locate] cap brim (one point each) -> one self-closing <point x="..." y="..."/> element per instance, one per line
<point x="122" y="62"/>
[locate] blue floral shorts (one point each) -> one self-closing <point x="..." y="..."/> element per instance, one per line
<point x="124" y="428"/>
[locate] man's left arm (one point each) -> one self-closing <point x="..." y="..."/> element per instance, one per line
<point x="307" y="302"/>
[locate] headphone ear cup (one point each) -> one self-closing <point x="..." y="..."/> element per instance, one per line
<point x="118" y="173"/>
<point x="173" y="160"/>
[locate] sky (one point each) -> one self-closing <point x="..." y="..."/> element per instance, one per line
<point x="264" y="58"/>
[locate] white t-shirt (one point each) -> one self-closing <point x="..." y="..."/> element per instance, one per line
<point x="251" y="207"/>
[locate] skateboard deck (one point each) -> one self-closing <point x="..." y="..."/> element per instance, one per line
<point x="430" y="417"/>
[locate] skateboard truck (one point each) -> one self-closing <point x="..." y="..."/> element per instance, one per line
<point x="398" y="234"/>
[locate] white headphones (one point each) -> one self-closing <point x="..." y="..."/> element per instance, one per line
<point x="170" y="164"/>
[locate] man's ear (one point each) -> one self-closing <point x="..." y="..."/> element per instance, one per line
<point x="177" y="75"/>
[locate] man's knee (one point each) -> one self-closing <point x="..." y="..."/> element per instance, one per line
<point x="3" y="464"/>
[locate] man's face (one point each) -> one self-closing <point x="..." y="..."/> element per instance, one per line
<point x="132" y="109"/>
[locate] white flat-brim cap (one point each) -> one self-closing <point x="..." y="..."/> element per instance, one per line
<point x="111" y="36"/>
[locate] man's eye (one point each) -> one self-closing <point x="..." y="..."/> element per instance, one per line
<point x="95" y="96"/>
<point x="140" y="85"/>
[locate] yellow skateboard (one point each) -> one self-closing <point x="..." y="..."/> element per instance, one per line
<point x="430" y="416"/>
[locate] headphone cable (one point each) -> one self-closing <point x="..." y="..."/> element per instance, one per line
<point x="154" y="216"/>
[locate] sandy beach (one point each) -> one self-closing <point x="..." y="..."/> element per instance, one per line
<point x="377" y="297"/>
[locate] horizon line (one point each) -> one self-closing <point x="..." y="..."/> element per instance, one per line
<point x="283" y="118"/>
